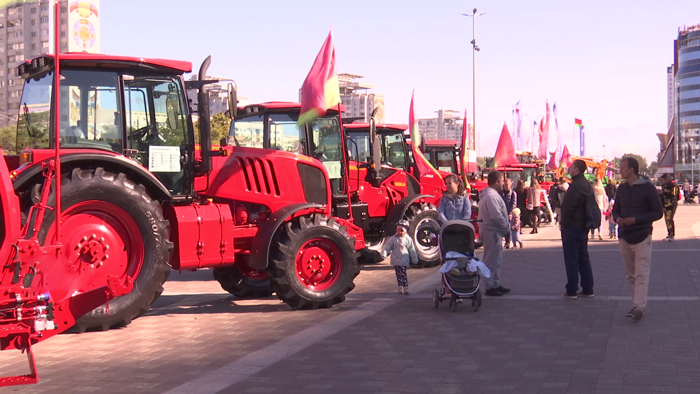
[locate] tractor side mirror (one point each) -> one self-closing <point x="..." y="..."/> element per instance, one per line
<point x="232" y="101"/>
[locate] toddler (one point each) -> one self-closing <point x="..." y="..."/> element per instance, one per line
<point x="515" y="227"/>
<point x="402" y="254"/>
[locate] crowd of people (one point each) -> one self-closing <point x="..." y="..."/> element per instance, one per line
<point x="580" y="209"/>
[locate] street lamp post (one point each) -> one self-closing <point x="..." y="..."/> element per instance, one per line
<point x="475" y="48"/>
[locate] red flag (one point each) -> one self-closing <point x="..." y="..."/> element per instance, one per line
<point x="544" y="136"/>
<point x="465" y="149"/>
<point x="565" y="158"/>
<point x="578" y="122"/>
<point x="552" y="165"/>
<point x="424" y="167"/>
<point x="320" y="89"/>
<point x="505" y="152"/>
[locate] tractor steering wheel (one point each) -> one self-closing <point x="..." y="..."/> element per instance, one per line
<point x="139" y="133"/>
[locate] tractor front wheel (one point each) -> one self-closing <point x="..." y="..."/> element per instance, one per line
<point x="313" y="263"/>
<point x="243" y="281"/>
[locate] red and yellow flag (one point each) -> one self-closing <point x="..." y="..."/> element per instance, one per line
<point x="423" y="165"/>
<point x="320" y="89"/>
<point x="505" y="152"/>
<point x="565" y="158"/>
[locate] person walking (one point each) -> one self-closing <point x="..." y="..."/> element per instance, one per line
<point x="494" y="226"/>
<point x="455" y="203"/>
<point x="574" y="234"/>
<point x="521" y="196"/>
<point x="510" y="198"/>
<point x="403" y="252"/>
<point x="637" y="206"/>
<point x="534" y="200"/>
<point x="670" y="194"/>
<point x="601" y="199"/>
<point x="686" y="189"/>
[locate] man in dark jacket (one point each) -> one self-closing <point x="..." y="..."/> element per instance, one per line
<point x="574" y="234"/>
<point x="637" y="206"/>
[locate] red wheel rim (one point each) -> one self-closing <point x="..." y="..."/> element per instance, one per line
<point x="318" y="264"/>
<point x="99" y="239"/>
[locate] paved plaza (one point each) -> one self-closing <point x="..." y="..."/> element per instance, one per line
<point x="199" y="339"/>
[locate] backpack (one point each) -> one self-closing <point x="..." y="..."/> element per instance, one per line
<point x="592" y="211"/>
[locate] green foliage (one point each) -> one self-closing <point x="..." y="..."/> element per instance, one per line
<point x="8" y="137"/>
<point x="643" y="167"/>
<point x="220" y="124"/>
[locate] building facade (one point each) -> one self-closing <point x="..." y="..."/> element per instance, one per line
<point x="687" y="89"/>
<point x="358" y="101"/>
<point x="26" y="31"/>
<point x="447" y="126"/>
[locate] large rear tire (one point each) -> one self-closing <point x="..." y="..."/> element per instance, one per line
<point x="313" y="262"/>
<point x="243" y="281"/>
<point x="424" y="227"/>
<point x="111" y="226"/>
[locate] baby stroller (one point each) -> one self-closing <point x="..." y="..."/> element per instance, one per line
<point x="458" y="283"/>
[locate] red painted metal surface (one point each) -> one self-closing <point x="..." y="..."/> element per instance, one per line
<point x="318" y="264"/>
<point x="204" y="235"/>
<point x="261" y="176"/>
<point x="75" y="59"/>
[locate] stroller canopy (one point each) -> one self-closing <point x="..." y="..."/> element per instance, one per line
<point x="457" y="236"/>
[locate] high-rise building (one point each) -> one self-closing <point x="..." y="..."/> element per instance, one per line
<point x="358" y="102"/>
<point x="447" y="126"/>
<point x="26" y="31"/>
<point x="687" y="108"/>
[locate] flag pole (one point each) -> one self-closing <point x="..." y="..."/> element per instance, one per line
<point x="345" y="163"/>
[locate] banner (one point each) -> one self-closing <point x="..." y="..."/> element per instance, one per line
<point x="582" y="150"/>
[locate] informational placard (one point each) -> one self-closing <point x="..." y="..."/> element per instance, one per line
<point x="164" y="158"/>
<point x="333" y="168"/>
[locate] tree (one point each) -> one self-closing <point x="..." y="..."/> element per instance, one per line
<point x="8" y="137"/>
<point x="643" y="167"/>
<point x="219" y="128"/>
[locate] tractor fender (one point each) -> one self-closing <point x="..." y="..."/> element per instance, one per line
<point x="399" y="210"/>
<point x="130" y="168"/>
<point x="260" y="247"/>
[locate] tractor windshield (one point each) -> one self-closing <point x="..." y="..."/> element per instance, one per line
<point x="89" y="104"/>
<point x="394" y="151"/>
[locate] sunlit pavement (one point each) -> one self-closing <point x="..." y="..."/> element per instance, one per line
<point x="198" y="339"/>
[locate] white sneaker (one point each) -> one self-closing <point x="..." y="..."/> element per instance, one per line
<point x="668" y="239"/>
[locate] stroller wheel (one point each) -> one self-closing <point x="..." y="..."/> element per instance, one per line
<point x="436" y="298"/>
<point x="453" y="303"/>
<point x="478" y="298"/>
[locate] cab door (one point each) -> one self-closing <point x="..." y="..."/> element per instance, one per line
<point x="158" y="131"/>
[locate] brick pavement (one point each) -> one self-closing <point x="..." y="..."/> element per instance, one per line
<point x="532" y="341"/>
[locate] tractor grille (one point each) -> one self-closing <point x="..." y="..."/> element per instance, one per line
<point x="260" y="175"/>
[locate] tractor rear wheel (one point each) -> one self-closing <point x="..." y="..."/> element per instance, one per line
<point x="424" y="227"/>
<point x="243" y="281"/>
<point x="111" y="226"/>
<point x="313" y="263"/>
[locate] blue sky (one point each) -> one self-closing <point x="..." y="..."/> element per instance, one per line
<point x="601" y="61"/>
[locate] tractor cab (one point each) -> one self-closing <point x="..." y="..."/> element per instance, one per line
<point x="123" y="107"/>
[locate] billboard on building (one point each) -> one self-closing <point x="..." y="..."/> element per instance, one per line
<point x="83" y="26"/>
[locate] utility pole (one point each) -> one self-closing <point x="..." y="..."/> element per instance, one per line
<point x="475" y="48"/>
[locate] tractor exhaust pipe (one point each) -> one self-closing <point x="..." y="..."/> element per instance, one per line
<point x="204" y="117"/>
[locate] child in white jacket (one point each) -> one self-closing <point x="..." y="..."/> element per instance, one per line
<point x="402" y="254"/>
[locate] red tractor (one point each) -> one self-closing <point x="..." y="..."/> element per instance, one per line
<point x="371" y="194"/>
<point x="139" y="200"/>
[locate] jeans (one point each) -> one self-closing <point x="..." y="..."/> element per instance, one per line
<point x="637" y="259"/>
<point x="574" y="241"/>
